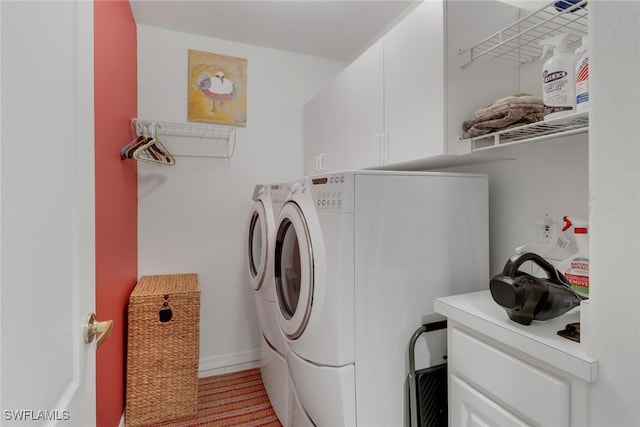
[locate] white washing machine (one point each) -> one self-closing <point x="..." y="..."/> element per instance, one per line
<point x="268" y="201"/>
<point x="360" y="257"/>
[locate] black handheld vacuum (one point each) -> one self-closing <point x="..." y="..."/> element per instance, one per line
<point x="526" y="297"/>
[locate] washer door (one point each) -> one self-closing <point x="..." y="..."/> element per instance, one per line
<point x="258" y="245"/>
<point x="293" y="271"/>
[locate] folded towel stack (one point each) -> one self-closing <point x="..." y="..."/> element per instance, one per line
<point x="505" y="113"/>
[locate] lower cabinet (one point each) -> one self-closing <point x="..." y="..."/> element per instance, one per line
<point x="492" y="384"/>
<point x="469" y="407"/>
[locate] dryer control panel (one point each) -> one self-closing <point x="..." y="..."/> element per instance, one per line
<point x="279" y="194"/>
<point x="332" y="193"/>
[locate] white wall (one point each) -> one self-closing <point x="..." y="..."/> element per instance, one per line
<point x="615" y="210"/>
<point x="193" y="217"/>
<point x="550" y="176"/>
<point x="546" y="176"/>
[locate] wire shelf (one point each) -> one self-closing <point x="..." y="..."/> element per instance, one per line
<point x="518" y="42"/>
<point x="561" y="126"/>
<point x="212" y="133"/>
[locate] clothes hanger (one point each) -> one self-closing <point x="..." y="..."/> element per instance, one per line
<point x="152" y="150"/>
<point x="143" y="136"/>
<point x="140" y="137"/>
<point x="127" y="151"/>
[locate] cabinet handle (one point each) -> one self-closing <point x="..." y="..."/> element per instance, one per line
<point x="320" y="162"/>
<point x="385" y="148"/>
<point x="382" y="147"/>
<point x="377" y="141"/>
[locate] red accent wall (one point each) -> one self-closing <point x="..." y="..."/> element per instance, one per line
<point x="115" y="44"/>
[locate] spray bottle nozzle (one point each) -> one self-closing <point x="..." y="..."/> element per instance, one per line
<point x="545" y="50"/>
<point x="558" y="43"/>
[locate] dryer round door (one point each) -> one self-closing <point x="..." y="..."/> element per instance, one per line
<point x="293" y="271"/>
<point x="258" y="245"/>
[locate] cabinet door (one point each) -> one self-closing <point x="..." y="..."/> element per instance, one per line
<point x="333" y="158"/>
<point x="325" y="129"/>
<point x="520" y="386"/>
<point x="414" y="84"/>
<point x="365" y="109"/>
<point x="312" y="134"/>
<point x="470" y="408"/>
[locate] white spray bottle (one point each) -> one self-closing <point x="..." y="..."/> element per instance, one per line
<point x="576" y="267"/>
<point x="558" y="78"/>
<point x="582" y="76"/>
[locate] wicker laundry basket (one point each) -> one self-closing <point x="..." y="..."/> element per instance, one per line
<point x="163" y="349"/>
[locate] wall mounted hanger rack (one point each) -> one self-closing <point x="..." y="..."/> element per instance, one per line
<point x="146" y="147"/>
<point x="213" y="141"/>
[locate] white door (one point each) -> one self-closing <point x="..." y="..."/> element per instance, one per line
<point x="47" y="230"/>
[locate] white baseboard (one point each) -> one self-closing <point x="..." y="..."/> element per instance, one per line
<point x="229" y="363"/>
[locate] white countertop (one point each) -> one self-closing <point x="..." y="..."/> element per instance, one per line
<point x="480" y="312"/>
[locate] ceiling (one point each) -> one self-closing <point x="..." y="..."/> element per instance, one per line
<point x="335" y="29"/>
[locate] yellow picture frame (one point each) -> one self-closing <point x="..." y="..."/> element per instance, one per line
<point x="217" y="89"/>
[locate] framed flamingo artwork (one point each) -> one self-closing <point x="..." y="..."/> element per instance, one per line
<point x="217" y="89"/>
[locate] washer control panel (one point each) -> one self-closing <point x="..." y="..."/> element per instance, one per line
<point x="330" y="192"/>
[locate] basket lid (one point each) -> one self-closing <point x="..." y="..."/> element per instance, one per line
<point x="166" y="283"/>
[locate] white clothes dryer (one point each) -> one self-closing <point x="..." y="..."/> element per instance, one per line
<point x="360" y="257"/>
<point x="268" y="201"/>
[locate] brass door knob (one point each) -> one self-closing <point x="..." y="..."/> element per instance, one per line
<point x="94" y="328"/>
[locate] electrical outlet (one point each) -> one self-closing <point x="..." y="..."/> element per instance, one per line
<point x="547" y="227"/>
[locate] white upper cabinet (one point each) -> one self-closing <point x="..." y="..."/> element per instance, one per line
<point x="395" y="93"/>
<point x="313" y="134"/>
<point x="325" y="129"/>
<point x="334" y="111"/>
<point x="365" y="110"/>
<point x="414" y="88"/>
